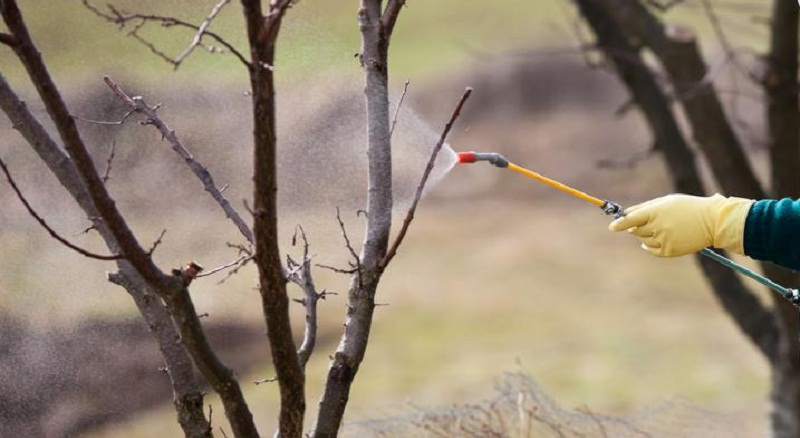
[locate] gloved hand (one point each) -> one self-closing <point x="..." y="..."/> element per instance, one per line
<point x="676" y="225"/>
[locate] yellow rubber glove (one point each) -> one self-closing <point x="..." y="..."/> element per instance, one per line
<point x="675" y="225"/>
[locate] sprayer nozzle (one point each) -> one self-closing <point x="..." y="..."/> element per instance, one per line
<point x="466" y="157"/>
<point x="492" y="157"/>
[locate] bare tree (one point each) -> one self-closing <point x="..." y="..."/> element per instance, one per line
<point x="163" y="298"/>
<point x="624" y="30"/>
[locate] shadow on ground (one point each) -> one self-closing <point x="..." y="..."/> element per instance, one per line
<point x="59" y="383"/>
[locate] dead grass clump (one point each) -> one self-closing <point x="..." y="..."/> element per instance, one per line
<point x="522" y="409"/>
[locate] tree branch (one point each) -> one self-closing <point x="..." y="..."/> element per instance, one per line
<point x="201" y="30"/>
<point x="783" y="109"/>
<point x="379" y="200"/>
<point x="390" y="14"/>
<point x="397" y="110"/>
<point x="234" y="264"/>
<point x="679" y="53"/>
<point x="356" y="263"/>
<point x="216" y="373"/>
<point x="169" y="288"/>
<point x="375" y="35"/>
<point x="65" y="124"/>
<point x="262" y="34"/>
<point x="44" y="225"/>
<point x="139" y="105"/>
<point x="7" y="40"/>
<point x="421" y="187"/>
<point x="187" y="395"/>
<point x="756" y="321"/>
<point x="109" y="162"/>
<point x="272" y="22"/>
<point x="122" y="20"/>
<point x="300" y="274"/>
<point x="783" y="121"/>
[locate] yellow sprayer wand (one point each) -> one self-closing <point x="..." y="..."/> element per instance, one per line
<point x="609" y="207"/>
<point x="612" y="208"/>
<point x="553" y="183"/>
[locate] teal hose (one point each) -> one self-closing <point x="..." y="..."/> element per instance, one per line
<point x="790" y="294"/>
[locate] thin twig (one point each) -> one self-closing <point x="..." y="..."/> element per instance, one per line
<point x="109" y="161"/>
<point x="410" y="215"/>
<point x="121" y="94"/>
<point x="234" y="271"/>
<point x="86" y="230"/>
<point x="44" y="225"/>
<point x="337" y="270"/>
<point x="122" y="20"/>
<point x="156" y="243"/>
<point x="100" y="122"/>
<point x="397" y="110"/>
<point x="240" y="261"/>
<point x="145" y="42"/>
<point x="267" y="380"/>
<point x="344" y="235"/>
<point x="272" y="21"/>
<point x="247" y="256"/>
<point x="301" y="275"/>
<point x="139" y="105"/>
<point x="201" y="30"/>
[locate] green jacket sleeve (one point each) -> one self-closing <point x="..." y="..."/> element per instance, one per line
<point x="772" y="232"/>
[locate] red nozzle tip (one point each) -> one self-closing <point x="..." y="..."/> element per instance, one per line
<point x="466" y="157"/>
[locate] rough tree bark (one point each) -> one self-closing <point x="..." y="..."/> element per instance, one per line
<point x="783" y="122"/>
<point x="617" y="23"/>
<point x="376" y="29"/>
<point x="262" y="32"/>
<point x="172" y="289"/>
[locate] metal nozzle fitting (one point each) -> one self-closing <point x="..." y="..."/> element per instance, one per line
<point x="492" y="157"/>
<point x="612" y="208"/>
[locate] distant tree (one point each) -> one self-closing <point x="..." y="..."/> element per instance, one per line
<point x="679" y="79"/>
<point x="163" y="297"/>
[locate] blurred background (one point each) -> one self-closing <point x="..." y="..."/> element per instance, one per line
<point x="498" y="273"/>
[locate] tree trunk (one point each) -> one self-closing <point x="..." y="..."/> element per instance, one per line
<point x="783" y="121"/>
<point x="262" y="34"/>
<point x="614" y="22"/>
<point x="361" y="296"/>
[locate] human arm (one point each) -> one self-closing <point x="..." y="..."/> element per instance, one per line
<point x="676" y="225"/>
<point x="772" y="232"/>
